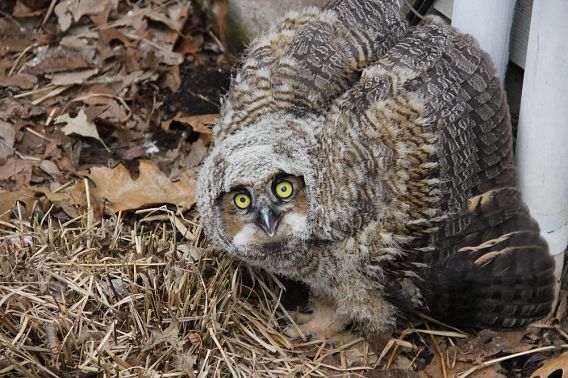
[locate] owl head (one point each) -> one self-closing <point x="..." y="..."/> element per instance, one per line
<point x="254" y="192"/>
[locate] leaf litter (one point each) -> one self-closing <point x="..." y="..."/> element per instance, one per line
<point x="106" y="110"/>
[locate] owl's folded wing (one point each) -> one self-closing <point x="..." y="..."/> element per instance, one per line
<point x="428" y="129"/>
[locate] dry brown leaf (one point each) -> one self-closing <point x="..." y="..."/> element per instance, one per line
<point x="79" y="125"/>
<point x="7" y="200"/>
<point x="23" y="81"/>
<point x="172" y="79"/>
<point x="73" y="77"/>
<point x="11" y="109"/>
<point x="555" y="367"/>
<point x="75" y="43"/>
<point x="12" y="38"/>
<point x="50" y="168"/>
<point x="115" y="288"/>
<point x="29" y="8"/>
<point x="60" y="59"/>
<point x="70" y="11"/>
<point x="174" y="18"/>
<point x="196" y="154"/>
<point x="101" y="18"/>
<point x="170" y="335"/>
<point x="198" y="123"/>
<point x="103" y="107"/>
<point x="73" y="195"/>
<point x="7" y="137"/>
<point x="152" y="187"/>
<point x="17" y="170"/>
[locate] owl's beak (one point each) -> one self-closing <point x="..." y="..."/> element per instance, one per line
<point x="268" y="221"/>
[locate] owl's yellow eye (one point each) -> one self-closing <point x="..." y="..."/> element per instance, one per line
<point x="284" y="189"/>
<point x="242" y="200"/>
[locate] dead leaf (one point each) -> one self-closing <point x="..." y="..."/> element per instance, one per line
<point x="198" y="123"/>
<point x="196" y="154"/>
<point x="101" y="18"/>
<point x="79" y="125"/>
<point x="7" y="200"/>
<point x="172" y="79"/>
<point x="115" y="288"/>
<point x="70" y="11"/>
<point x="152" y="187"/>
<point x="12" y="38"/>
<point x="22" y="81"/>
<point x="185" y="362"/>
<point x="29" y="8"/>
<point x="17" y="170"/>
<point x="103" y="107"/>
<point x="73" y="77"/>
<point x="11" y="109"/>
<point x="555" y="367"/>
<point x="73" y="196"/>
<point x="51" y="60"/>
<point x="74" y="42"/>
<point x="50" y="168"/>
<point x="170" y="335"/>
<point x="7" y="137"/>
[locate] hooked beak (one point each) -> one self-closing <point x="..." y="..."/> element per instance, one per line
<point x="268" y="220"/>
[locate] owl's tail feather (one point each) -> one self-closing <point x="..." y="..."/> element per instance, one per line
<point x="498" y="273"/>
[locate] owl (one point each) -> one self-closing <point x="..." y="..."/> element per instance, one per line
<point x="373" y="161"/>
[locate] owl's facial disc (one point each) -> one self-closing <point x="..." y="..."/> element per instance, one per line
<point x="266" y="214"/>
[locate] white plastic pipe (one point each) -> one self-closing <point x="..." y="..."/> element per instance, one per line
<point x="542" y="142"/>
<point x="490" y="22"/>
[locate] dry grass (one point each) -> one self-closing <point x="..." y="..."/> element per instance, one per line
<point x="146" y="297"/>
<point x="81" y="299"/>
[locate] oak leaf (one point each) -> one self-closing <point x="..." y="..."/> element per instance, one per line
<point x="152" y="187"/>
<point x="79" y="125"/>
<point x="555" y="367"/>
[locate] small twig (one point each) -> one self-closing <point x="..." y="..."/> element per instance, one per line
<point x="440" y="353"/>
<point x="50" y="117"/>
<point x="54" y="92"/>
<point x="485" y="364"/>
<point x="20" y="55"/>
<point x="39" y="135"/>
<point x="89" y="210"/>
<point x="49" y="11"/>
<point x="34" y="91"/>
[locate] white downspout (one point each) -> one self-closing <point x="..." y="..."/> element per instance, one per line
<point x="490" y="22"/>
<point x="542" y="142"/>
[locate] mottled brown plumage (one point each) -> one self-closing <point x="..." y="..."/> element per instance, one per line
<point x="401" y="139"/>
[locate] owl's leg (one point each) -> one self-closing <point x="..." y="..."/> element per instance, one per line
<point x="323" y="322"/>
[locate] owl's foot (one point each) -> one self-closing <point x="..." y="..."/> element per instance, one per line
<point x="322" y="323"/>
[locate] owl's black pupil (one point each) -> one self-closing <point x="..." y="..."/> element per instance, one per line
<point x="284" y="189"/>
<point x="242" y="199"/>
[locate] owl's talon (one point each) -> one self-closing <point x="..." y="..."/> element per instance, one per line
<point x="322" y="323"/>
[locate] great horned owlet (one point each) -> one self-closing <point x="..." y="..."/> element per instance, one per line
<point x="373" y="161"/>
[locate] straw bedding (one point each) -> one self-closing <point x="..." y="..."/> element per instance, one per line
<point x="81" y="299"/>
